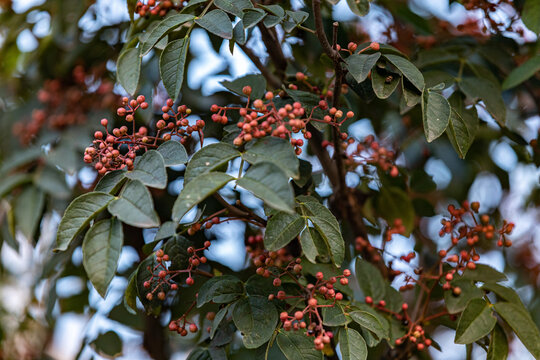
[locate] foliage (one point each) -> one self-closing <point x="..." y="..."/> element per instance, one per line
<point x="170" y="166"/>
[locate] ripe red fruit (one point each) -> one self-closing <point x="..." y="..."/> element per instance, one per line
<point x="312" y="302"/>
<point x="298" y="315"/>
<point x="190" y="281"/>
<point x="193" y="328"/>
<point x="277" y="282"/>
<point x="369" y="300"/>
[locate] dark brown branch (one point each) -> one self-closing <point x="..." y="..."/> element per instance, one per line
<point x="233" y="210"/>
<point x="271" y="78"/>
<point x="319" y="30"/>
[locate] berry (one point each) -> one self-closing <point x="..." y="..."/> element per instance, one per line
<point x="190" y="281"/>
<point x="193" y="328"/>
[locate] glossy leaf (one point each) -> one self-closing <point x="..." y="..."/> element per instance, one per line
<point x="252" y="17"/>
<point x="196" y="191"/>
<point x="163" y="28"/>
<point x="150" y="170"/>
<point x="488" y="92"/>
<point x="295" y="345"/>
<point x="171" y="66"/>
<point x="135" y="206"/>
<point x="327" y="226"/>
<point x="313" y="244"/>
<point x="78" y="215"/>
<point x="370" y="322"/>
<point x="523" y="72"/>
<point x="384" y="83"/>
<point x="352" y="345"/>
<point x="281" y="229"/>
<point x="269" y="183"/>
<point x="111" y="182"/>
<point x="217" y="22"/>
<point x="359" y="65"/>
<point x="407" y="69"/>
<point x="28" y="208"/>
<point x="498" y="345"/>
<point x="101" y="252"/>
<point x="173" y="153"/>
<point x="476" y="321"/>
<point x="370" y="279"/>
<point x="335" y="316"/>
<point x="220" y="289"/>
<point x="359" y="7"/>
<point x="523" y="325"/>
<point x="435" y="114"/>
<point x="210" y="158"/>
<point x="277" y="151"/>
<point x="128" y="69"/>
<point x="256" y="318"/>
<point x="484" y="273"/>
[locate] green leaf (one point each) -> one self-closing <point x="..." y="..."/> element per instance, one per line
<point x="411" y="95"/>
<point x="220" y="315"/>
<point x="130" y="295"/>
<point x="531" y="15"/>
<point x="295" y="345"/>
<point x="256" y="318"/>
<point x="384" y="83"/>
<point x="135" y="206"/>
<point x="476" y="321"/>
<point x="281" y="229"/>
<point x="199" y="354"/>
<point x="359" y="65"/>
<point x="523" y="325"/>
<point x="370" y="280"/>
<point x="108" y="345"/>
<point x="111" y="182"/>
<point x="239" y="35"/>
<point x="421" y="182"/>
<point x="101" y="251"/>
<point x="230" y="6"/>
<point x="394" y="203"/>
<point x="504" y="293"/>
<point x="166" y="230"/>
<point x="131" y="5"/>
<point x="256" y="81"/>
<point x="173" y="153"/>
<point x="277" y="151"/>
<point x="408" y="70"/>
<point x="435" y="114"/>
<point x="522" y="72"/>
<point x="217" y="22"/>
<point x="150" y="170"/>
<point x="458" y="303"/>
<point x="78" y="215"/>
<point x="220" y="289"/>
<point x="163" y="28"/>
<point x="327" y="226"/>
<point x="458" y="134"/>
<point x="128" y="69"/>
<point x="27" y="209"/>
<point x="335" y="316"/>
<point x="370" y="322"/>
<point x="252" y="17"/>
<point x="352" y="345"/>
<point x="171" y="66"/>
<point x="484" y="273"/>
<point x="313" y="244"/>
<point x="210" y="158"/>
<point x="196" y="191"/>
<point x="488" y="92"/>
<point x="269" y="183"/>
<point x="498" y="345"/>
<point x="11" y="182"/>
<point x="359" y="7"/>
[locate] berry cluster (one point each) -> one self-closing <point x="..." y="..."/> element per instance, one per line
<point x="263" y="118"/>
<point x="309" y="318"/>
<point x="179" y="325"/>
<point x="157" y="7"/>
<point x="161" y="278"/>
<point x="67" y="102"/>
<point x="118" y="149"/>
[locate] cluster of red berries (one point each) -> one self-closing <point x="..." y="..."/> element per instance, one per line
<point x="118" y="149"/>
<point x="352" y="47"/>
<point x="263" y="118"/>
<point x="67" y="102"/>
<point x="397" y="228"/>
<point x="179" y="325"/>
<point x="161" y="278"/>
<point x="415" y="333"/>
<point x="309" y="318"/>
<point x="157" y="7"/>
<point x="266" y="260"/>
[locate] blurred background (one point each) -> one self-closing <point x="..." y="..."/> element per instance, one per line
<point x="57" y="79"/>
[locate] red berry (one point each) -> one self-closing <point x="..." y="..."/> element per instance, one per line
<point x="193" y="328"/>
<point x="190" y="281"/>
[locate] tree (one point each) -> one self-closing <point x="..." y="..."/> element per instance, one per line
<point x="341" y="256"/>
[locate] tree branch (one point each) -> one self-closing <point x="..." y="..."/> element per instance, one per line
<point x="271" y="78"/>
